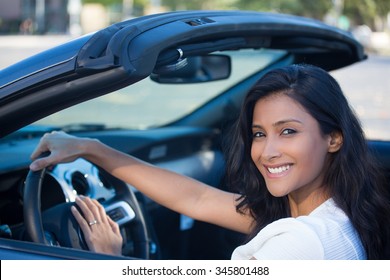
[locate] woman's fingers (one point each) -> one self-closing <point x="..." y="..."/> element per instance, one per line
<point x="100" y="232"/>
<point x="80" y="220"/>
<point x="100" y="211"/>
<point x="90" y="211"/>
<point x="41" y="163"/>
<point x="61" y="146"/>
<point x="41" y="148"/>
<point x="114" y="225"/>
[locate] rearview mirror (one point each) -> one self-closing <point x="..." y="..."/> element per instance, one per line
<point x="195" y="69"/>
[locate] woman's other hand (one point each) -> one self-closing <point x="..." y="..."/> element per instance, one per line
<point x="101" y="233"/>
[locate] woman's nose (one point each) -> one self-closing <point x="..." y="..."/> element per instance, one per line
<point x="271" y="149"/>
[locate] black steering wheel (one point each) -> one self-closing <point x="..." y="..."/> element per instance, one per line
<point x="57" y="226"/>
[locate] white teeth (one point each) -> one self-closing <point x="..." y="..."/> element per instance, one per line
<point x="278" y="169"/>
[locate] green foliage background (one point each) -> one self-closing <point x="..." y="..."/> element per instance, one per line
<point x="358" y="11"/>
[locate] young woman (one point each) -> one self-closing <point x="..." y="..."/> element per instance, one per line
<point x="304" y="185"/>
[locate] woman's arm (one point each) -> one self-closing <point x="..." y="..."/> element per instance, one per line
<point x="177" y="192"/>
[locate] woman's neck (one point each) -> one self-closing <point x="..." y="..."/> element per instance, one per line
<point x="303" y="205"/>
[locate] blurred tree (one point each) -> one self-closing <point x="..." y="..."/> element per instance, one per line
<point x="366" y="11"/>
<point x="137" y="8"/>
<point x="175" y="5"/>
<point x="308" y="8"/>
<point x="103" y="2"/>
<point x="358" y="11"/>
<point x="383" y="7"/>
<point x="108" y="3"/>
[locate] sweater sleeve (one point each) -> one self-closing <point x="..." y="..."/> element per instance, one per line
<point x="285" y="239"/>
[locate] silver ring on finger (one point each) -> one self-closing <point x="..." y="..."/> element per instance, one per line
<point x="91" y="223"/>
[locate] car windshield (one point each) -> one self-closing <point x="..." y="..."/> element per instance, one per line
<point x="148" y="104"/>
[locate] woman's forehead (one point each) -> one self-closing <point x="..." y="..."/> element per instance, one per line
<point x="278" y="108"/>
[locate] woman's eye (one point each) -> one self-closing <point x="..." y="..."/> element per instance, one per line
<point x="288" y="131"/>
<point x="258" y="134"/>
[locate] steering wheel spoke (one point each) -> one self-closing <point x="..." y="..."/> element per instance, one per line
<point x="120" y="212"/>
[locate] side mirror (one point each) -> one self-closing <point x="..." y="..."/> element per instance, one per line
<point x="194" y="69"/>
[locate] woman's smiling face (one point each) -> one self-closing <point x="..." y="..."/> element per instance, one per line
<point x="288" y="147"/>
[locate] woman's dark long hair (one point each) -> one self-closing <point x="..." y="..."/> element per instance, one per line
<point x="352" y="176"/>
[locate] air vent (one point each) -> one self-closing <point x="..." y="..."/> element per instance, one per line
<point x="104" y="179"/>
<point x="199" y="21"/>
<point x="79" y="183"/>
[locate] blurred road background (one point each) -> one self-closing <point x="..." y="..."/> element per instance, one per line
<point x="30" y="26"/>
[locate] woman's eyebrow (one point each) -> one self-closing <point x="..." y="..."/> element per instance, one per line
<point x="278" y="123"/>
<point x="282" y="122"/>
<point x="256" y="126"/>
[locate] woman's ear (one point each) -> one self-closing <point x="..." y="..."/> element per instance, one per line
<point x="335" y="142"/>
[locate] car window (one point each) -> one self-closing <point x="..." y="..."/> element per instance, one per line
<point x="148" y="104"/>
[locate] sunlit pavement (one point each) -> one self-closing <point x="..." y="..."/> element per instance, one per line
<point x="14" y="48"/>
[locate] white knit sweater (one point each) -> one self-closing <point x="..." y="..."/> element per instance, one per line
<point x="325" y="234"/>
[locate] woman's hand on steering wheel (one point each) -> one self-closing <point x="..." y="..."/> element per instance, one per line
<point x="59" y="146"/>
<point x="101" y="233"/>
